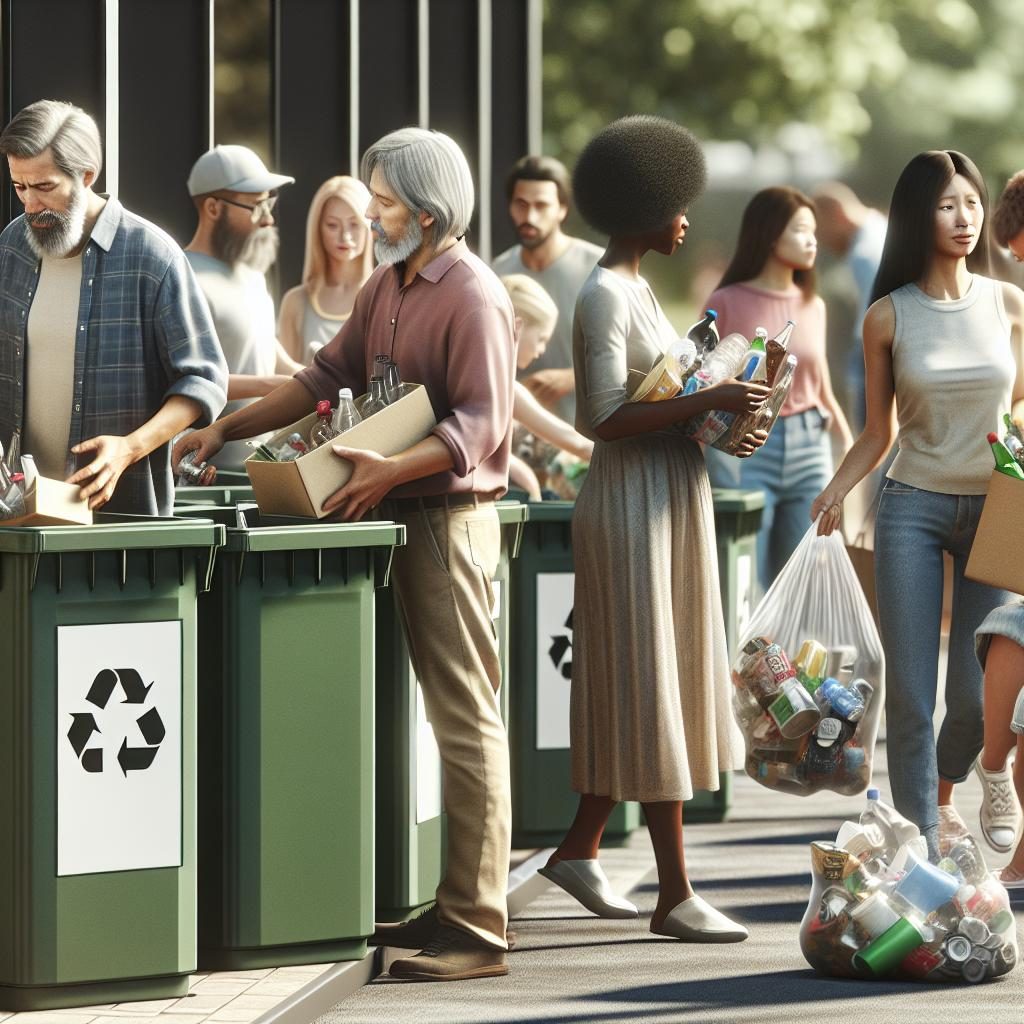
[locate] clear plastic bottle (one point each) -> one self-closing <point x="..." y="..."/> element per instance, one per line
<point x="393" y="381"/>
<point x="894" y="830"/>
<point x="346" y="416"/>
<point x="292" y="448"/>
<point x="191" y="474"/>
<point x="704" y="333"/>
<point x="28" y="467"/>
<point x="755" y="367"/>
<point x="323" y="429"/>
<point x="376" y="399"/>
<point x="721" y="364"/>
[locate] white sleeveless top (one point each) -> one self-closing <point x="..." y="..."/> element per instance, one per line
<point x="953" y="369"/>
<point x="317" y="328"/>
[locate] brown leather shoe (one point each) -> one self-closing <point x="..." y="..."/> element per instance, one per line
<point x="417" y="931"/>
<point x="451" y="955"/>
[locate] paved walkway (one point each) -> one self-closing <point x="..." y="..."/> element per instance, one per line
<point x="570" y="966"/>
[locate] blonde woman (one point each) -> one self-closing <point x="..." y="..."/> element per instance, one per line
<point x="339" y="259"/>
<point x="536" y="316"/>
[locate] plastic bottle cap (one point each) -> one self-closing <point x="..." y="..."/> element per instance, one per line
<point x="323" y="408"/>
<point x="992" y="438"/>
<point x="711" y="313"/>
<point x="345" y="393"/>
<point x="873" y="794"/>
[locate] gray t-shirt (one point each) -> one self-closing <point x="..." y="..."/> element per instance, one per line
<point x="243" y="313"/>
<point x="562" y="281"/>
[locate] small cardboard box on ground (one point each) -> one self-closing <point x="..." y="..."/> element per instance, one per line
<point x="997" y="557"/>
<point x="53" y="503"/>
<point x="300" y="487"/>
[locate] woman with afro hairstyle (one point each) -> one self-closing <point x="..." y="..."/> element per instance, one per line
<point x="650" y="715"/>
<point x="940" y="341"/>
<point x="769" y="281"/>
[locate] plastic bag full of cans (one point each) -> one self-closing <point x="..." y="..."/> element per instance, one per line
<point x="879" y="909"/>
<point x="808" y="677"/>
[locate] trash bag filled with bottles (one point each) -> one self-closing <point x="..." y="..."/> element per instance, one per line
<point x="808" y="677"/>
<point x="879" y="909"/>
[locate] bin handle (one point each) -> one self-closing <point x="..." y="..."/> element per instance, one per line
<point x="382" y="559"/>
<point x="517" y="538"/>
<point x="207" y="576"/>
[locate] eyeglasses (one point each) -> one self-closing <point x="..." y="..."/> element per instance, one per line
<point x="264" y="208"/>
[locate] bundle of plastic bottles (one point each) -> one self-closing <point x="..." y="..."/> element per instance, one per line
<point x="808" y="677"/>
<point x="879" y="909"/>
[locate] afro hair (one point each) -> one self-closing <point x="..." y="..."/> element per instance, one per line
<point x="637" y="174"/>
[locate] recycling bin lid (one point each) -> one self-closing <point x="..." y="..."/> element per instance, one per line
<point x="728" y="499"/>
<point x="248" y="530"/>
<point x="512" y="512"/>
<point x="550" y="511"/>
<point x="114" y="532"/>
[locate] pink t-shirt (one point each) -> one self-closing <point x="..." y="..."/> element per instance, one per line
<point x="743" y="308"/>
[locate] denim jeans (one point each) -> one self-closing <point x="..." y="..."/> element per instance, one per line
<point x="912" y="530"/>
<point x="792" y="468"/>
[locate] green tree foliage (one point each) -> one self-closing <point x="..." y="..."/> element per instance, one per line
<point x="880" y="78"/>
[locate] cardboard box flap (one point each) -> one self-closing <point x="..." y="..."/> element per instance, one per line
<point x="53" y="503"/>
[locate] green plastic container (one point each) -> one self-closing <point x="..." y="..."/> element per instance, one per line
<point x="231" y="486"/>
<point x="543" y="804"/>
<point x="286" y="637"/>
<point x="410" y="821"/>
<point x="98" y="759"/>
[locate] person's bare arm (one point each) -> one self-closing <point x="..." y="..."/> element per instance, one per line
<point x="289" y="320"/>
<point x="1013" y="303"/>
<point x="532" y="415"/>
<point x="244" y="385"/>
<point x="871" y="447"/>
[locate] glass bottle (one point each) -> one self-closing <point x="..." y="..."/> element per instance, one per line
<point x="376" y="399"/>
<point x="323" y="429"/>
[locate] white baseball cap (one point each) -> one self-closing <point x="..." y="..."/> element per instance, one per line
<point x="235" y="168"/>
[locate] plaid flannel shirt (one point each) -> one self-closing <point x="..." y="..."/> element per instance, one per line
<point x="144" y="333"/>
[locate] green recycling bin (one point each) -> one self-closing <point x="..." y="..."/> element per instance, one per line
<point x="543" y="802"/>
<point x="410" y="821"/>
<point x="98" y="770"/>
<point x="229" y="487"/>
<point x="286" y="636"/>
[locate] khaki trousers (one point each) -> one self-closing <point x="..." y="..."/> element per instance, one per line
<point x="442" y="578"/>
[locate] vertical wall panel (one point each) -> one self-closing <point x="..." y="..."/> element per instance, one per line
<point x="52" y="50"/>
<point x="509" y="117"/>
<point x="164" y="107"/>
<point x="389" y="68"/>
<point x="454" y="93"/>
<point x="312" y="88"/>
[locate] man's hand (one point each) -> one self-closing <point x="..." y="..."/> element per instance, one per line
<point x="113" y="455"/>
<point x="373" y="476"/>
<point x="205" y="443"/>
<point x="549" y="386"/>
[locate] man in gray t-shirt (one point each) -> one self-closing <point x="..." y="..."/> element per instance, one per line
<point x="234" y="245"/>
<point x="539" y="193"/>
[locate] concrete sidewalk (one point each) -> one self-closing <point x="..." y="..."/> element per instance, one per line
<point x="570" y="966"/>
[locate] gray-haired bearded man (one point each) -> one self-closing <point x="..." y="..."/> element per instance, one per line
<point x="444" y="317"/>
<point x="106" y="346"/>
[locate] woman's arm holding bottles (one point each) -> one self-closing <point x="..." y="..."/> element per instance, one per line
<point x="871" y="447"/>
<point x="1013" y="303"/>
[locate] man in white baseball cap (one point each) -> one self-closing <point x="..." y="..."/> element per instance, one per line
<point x="234" y="245"/>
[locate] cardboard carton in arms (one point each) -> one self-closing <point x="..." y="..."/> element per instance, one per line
<point x="997" y="557"/>
<point x="53" y="503"/>
<point x="301" y="487"/>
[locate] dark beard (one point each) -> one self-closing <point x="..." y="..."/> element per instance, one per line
<point x="257" y="249"/>
<point x="532" y="243"/>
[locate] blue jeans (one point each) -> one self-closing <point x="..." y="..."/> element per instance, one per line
<point x="914" y="527"/>
<point x="792" y="468"/>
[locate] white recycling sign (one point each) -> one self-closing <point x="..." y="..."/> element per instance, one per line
<point x="119" y="756"/>
<point x="554" y="658"/>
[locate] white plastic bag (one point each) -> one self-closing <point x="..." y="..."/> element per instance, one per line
<point x="809" y="676"/>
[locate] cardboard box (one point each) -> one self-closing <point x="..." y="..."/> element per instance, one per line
<point x="996" y="557"/>
<point x="300" y="487"/>
<point x="53" y="503"/>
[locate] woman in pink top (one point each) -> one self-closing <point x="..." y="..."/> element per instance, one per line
<point x="769" y="281"/>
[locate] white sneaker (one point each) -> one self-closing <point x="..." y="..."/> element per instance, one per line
<point x="1000" y="811"/>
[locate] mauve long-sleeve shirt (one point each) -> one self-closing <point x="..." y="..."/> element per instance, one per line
<point x="451" y="330"/>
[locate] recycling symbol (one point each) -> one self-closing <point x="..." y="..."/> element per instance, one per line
<point x="560" y="651"/>
<point x="150" y="727"/>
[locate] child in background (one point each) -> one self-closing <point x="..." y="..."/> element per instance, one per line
<point x="536" y="314"/>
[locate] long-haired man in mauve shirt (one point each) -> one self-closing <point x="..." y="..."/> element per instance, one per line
<point x="445" y="318"/>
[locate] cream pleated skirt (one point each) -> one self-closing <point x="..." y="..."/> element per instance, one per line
<point x="651" y="717"/>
